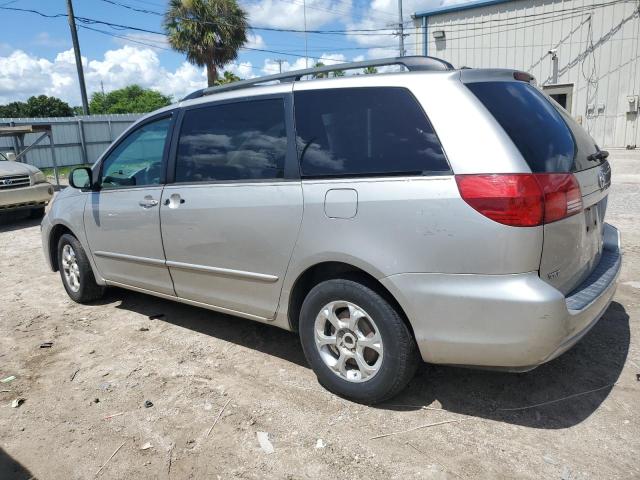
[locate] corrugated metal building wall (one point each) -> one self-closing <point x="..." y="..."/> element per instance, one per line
<point x="76" y="140"/>
<point x="597" y="53"/>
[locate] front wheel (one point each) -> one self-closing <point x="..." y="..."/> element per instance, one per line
<point x="75" y="271"/>
<point x="356" y="342"/>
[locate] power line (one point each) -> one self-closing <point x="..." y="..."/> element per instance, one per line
<point x="517" y="28"/>
<point x="269" y="29"/>
<point x="90" y="21"/>
<point x="141" y="42"/>
<point x="390" y="31"/>
<point x="123" y="37"/>
<point x="253" y="49"/>
<point x="581" y="8"/>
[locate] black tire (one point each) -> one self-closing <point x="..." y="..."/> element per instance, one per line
<point x="36" y="212"/>
<point x="400" y="353"/>
<point x="88" y="290"/>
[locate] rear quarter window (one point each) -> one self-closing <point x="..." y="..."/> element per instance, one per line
<point x="546" y="136"/>
<point x="369" y="131"/>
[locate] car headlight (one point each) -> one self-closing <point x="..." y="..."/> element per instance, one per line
<point x="39" y="177"/>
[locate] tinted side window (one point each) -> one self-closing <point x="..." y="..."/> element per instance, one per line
<point x="532" y="122"/>
<point x="137" y="160"/>
<point x="233" y="141"/>
<point x="365" y="131"/>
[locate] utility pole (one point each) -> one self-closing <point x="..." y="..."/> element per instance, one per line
<point x="306" y="50"/>
<point x="279" y="60"/>
<point x="401" y="29"/>
<point x="76" y="49"/>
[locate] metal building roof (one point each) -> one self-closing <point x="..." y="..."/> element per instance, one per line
<point x="457" y="7"/>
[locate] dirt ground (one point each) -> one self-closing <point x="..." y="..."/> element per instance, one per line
<point x="85" y="396"/>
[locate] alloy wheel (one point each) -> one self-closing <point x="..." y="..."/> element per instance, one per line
<point x="348" y="341"/>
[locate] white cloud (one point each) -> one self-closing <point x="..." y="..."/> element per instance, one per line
<point x="255" y="41"/>
<point x="290" y="14"/>
<point x="23" y="75"/>
<point x="242" y="69"/>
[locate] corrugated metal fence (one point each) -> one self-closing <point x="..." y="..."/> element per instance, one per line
<point x="76" y="140"/>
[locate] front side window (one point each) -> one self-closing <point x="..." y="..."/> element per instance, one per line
<point x="233" y="141"/>
<point x="365" y="131"/>
<point x="137" y="160"/>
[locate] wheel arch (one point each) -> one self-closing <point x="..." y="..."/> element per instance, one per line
<point x="57" y="231"/>
<point x="328" y="270"/>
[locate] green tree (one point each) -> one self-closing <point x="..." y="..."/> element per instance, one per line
<point x="13" y="110"/>
<point x="209" y="32"/>
<point x="40" y="106"/>
<point x="228" y="77"/>
<point x="338" y="73"/>
<point x="131" y="99"/>
<point x="370" y="70"/>
<point x="43" y="106"/>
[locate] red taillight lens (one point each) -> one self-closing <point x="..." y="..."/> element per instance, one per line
<point x="562" y="197"/>
<point x="513" y="200"/>
<point x="522" y="200"/>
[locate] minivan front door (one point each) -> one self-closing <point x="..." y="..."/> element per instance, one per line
<point x="231" y="218"/>
<point x="122" y="218"/>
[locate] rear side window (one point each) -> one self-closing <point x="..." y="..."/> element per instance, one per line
<point x="233" y="141"/>
<point x="532" y="122"/>
<point x="365" y="131"/>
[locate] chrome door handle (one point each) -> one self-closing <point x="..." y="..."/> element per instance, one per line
<point x="174" y="201"/>
<point x="148" y="202"/>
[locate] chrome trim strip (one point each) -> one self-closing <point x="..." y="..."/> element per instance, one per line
<point x="225" y="272"/>
<point x="130" y="258"/>
<point x="189" y="302"/>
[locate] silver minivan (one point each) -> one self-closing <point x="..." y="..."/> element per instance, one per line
<point x="434" y="214"/>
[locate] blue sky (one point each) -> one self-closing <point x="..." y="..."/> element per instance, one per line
<point x="35" y="55"/>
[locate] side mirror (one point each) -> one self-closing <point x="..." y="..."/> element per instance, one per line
<point x="81" y="178"/>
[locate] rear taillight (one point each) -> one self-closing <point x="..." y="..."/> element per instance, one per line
<point x="562" y="197"/>
<point x="522" y="200"/>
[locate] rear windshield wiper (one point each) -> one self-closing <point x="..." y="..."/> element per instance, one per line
<point x="599" y="155"/>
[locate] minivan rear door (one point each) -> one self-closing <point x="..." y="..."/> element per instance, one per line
<point x="550" y="141"/>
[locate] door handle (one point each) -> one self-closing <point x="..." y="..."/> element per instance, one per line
<point x="174" y="201"/>
<point x="148" y="202"/>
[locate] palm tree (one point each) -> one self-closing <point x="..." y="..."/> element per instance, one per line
<point x="228" y="77"/>
<point x="209" y="32"/>
<point x="370" y="70"/>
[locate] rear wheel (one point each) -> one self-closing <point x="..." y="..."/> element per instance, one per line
<point x="75" y="271"/>
<point x="356" y="342"/>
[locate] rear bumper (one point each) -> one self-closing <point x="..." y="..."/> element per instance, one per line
<point x="35" y="196"/>
<point x="503" y="321"/>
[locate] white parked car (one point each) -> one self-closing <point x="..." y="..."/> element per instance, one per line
<point x="23" y="187"/>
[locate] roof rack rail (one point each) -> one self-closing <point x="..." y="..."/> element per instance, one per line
<point x="412" y="63"/>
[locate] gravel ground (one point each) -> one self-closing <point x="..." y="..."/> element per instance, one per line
<point x="85" y="396"/>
